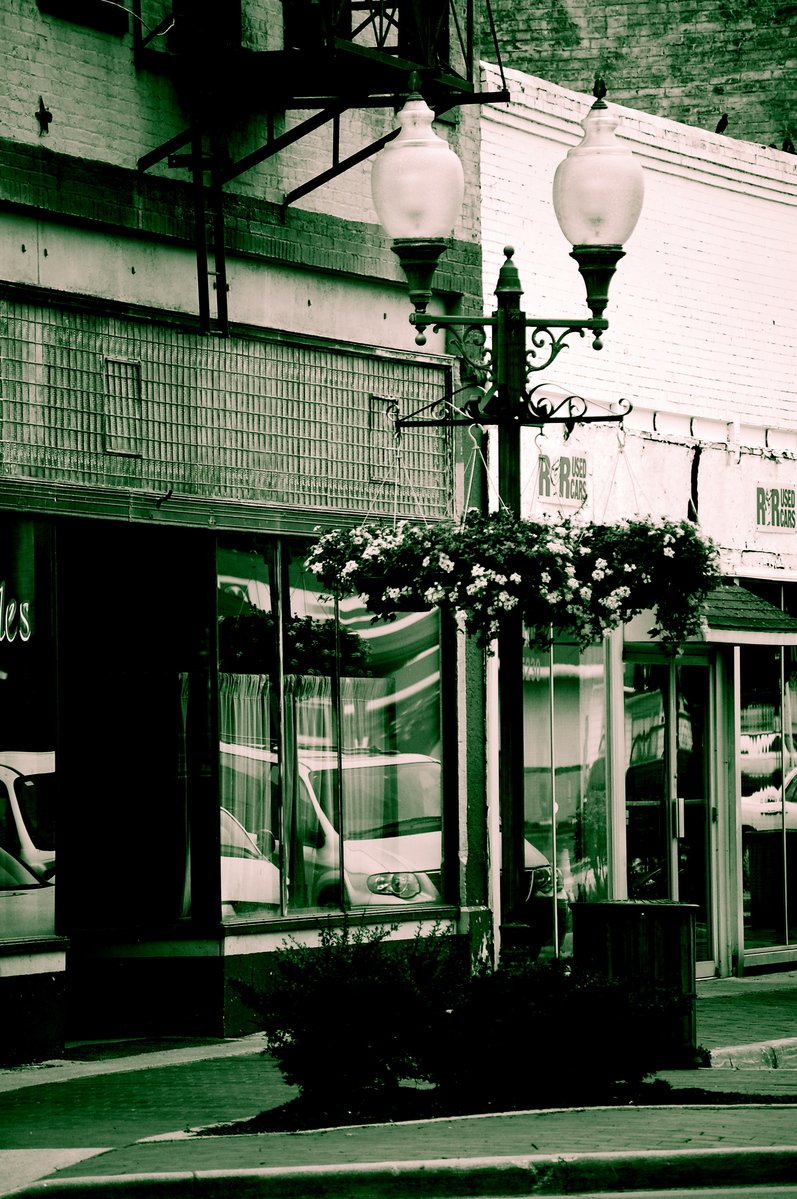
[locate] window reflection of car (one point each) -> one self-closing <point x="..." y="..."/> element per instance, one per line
<point x="767" y="809"/>
<point x="392" y="840"/>
<point x="392" y="844"/>
<point x="249" y="881"/>
<point x="541" y="883"/>
<point x="27" y="808"/>
<point x="26" y="903"/>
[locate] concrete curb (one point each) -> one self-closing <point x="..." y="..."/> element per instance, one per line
<point x="763" y="1055"/>
<point x="539" y="1174"/>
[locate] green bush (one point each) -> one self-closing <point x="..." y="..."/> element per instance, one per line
<point x="351" y="1019"/>
<point x="347" y="1020"/>
<point x="541" y="1035"/>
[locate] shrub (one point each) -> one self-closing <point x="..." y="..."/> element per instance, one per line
<point x="347" y="1020"/>
<point x="542" y="1034"/>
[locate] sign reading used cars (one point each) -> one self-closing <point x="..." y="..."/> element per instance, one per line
<point x="775" y="509"/>
<point x="562" y="479"/>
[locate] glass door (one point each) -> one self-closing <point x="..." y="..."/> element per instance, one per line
<point x="668" y="787"/>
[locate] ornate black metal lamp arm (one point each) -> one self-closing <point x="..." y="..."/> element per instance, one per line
<point x="543" y="331"/>
<point x="499" y="374"/>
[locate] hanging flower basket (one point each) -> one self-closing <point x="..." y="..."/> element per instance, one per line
<point x="585" y="579"/>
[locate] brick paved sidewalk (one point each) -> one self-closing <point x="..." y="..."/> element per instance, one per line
<point x="737" y="1011"/>
<point x="88" y="1119"/>
<point x="517" y="1153"/>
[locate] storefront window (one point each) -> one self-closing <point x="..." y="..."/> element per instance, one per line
<point x="768" y="773"/>
<point x="646" y="789"/>
<point x="667" y="787"/>
<point x="330" y="748"/>
<point x="566" y="849"/>
<point x="248" y="731"/>
<point x="27" y="732"/>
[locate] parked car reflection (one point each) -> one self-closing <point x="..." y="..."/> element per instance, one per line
<point x="767" y="809"/>
<point x="27" y="809"/>
<point x="26" y="903"/>
<point x="541" y="884"/>
<point x="249" y="881"/>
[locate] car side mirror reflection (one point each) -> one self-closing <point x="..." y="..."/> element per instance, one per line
<point x="267" y="843"/>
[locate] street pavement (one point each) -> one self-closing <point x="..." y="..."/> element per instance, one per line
<point x="119" y="1117"/>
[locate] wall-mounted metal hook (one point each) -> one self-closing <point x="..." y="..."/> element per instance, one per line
<point x="44" y="117"/>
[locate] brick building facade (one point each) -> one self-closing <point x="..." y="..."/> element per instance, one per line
<point x="688" y="62"/>
<point x="196" y="373"/>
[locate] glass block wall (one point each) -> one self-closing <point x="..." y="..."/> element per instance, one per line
<point x="123" y="402"/>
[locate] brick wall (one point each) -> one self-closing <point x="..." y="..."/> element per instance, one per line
<point x="685" y="60"/>
<point x="703" y="308"/>
<point x="108" y="111"/>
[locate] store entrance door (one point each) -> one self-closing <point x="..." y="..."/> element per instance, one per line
<point x="668" y="788"/>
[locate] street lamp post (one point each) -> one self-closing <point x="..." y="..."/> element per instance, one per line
<point x="418" y="187"/>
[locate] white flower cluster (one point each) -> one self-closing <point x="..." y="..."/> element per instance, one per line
<point x="587" y="577"/>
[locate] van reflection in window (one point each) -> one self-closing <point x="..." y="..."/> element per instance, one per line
<point x="391" y="845"/>
<point x="27" y="853"/>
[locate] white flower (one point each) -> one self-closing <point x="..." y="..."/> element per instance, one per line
<point x="433" y="595"/>
<point x="506" y="600"/>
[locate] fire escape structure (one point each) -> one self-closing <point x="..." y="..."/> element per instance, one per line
<point x="336" y="55"/>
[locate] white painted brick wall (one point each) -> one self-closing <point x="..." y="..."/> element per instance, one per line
<point x="703" y="308"/>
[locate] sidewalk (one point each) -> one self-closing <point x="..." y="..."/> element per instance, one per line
<point x="88" y="1126"/>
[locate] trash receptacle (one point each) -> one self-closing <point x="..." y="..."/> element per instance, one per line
<point x="649" y="947"/>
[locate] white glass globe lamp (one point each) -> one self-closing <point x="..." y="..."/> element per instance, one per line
<point x="597" y="197"/>
<point x="418" y="184"/>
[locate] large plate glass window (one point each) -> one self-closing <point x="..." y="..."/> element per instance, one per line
<point x="248" y="729"/>
<point x="331" y="744"/>
<point x="768" y="778"/>
<point x="565" y="805"/>
<point x="27" y="732"/>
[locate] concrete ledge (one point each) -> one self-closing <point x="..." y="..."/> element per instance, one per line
<point x="486" y="1176"/>
<point x="763" y="1055"/>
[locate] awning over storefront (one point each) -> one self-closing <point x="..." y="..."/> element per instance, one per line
<point x="736" y="616"/>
